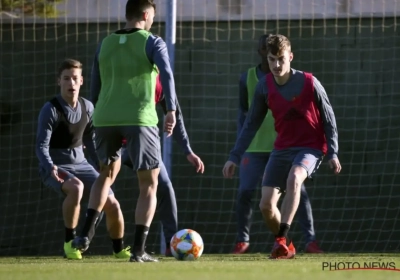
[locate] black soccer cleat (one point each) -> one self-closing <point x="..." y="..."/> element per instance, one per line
<point x="80" y="243"/>
<point x="143" y="258"/>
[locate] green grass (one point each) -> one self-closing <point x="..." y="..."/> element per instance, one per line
<point x="215" y="267"/>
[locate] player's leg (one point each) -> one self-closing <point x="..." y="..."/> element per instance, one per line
<point x="167" y="207"/>
<point x="303" y="165"/>
<point x="114" y="217"/>
<point x="274" y="183"/>
<point x="251" y="171"/>
<point x="166" y="201"/>
<point x="108" y="148"/>
<point x="305" y="218"/>
<point x="143" y="146"/>
<point x="72" y="190"/>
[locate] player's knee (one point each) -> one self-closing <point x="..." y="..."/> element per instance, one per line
<point x="148" y="181"/>
<point x="111" y="170"/>
<point x="295" y="179"/>
<point x="267" y="207"/>
<point x="73" y="188"/>
<point x="112" y="207"/>
<point x="165" y="188"/>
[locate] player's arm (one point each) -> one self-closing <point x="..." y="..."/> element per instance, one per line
<point x="88" y="137"/>
<point x="180" y="135"/>
<point x="243" y="102"/>
<point x="48" y="118"/>
<point x="95" y="81"/>
<point x="328" y="118"/>
<point x="157" y="52"/>
<point x="255" y="117"/>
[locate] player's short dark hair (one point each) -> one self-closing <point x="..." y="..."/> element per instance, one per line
<point x="277" y="44"/>
<point x="263" y="40"/>
<point x="135" y="8"/>
<point x="69" y="64"/>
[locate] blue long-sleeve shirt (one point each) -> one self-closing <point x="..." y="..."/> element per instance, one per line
<point x="259" y="109"/>
<point x="179" y="133"/>
<point x="48" y="121"/>
<point x="157" y="53"/>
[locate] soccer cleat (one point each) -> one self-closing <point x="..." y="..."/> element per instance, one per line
<point x="291" y="252"/>
<point x="241" y="248"/>
<point x="123" y="254"/>
<point x="81" y="243"/>
<point x="143" y="258"/>
<point x="313" y="248"/>
<point x="70" y="252"/>
<point x="280" y="248"/>
<point x="168" y="252"/>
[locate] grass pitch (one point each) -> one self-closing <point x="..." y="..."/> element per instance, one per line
<point x="213" y="267"/>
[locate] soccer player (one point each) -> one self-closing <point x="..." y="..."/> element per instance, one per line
<point x="167" y="207"/>
<point x="65" y="125"/>
<point x="255" y="159"/>
<point x="123" y="88"/>
<point x="306" y="133"/>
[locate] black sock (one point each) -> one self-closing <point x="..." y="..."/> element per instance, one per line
<point x="95" y="225"/>
<point x="167" y="244"/>
<point x="141" y="233"/>
<point x="283" y="230"/>
<point x="118" y="245"/>
<point x="69" y="234"/>
<point x="88" y="228"/>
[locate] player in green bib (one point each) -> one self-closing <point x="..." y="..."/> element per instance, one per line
<point x="255" y="159"/>
<point x="123" y="91"/>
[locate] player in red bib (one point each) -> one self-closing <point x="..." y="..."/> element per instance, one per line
<point x="306" y="133"/>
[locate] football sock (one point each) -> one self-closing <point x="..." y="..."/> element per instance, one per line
<point x="118" y="245"/>
<point x="141" y="233"/>
<point x="69" y="234"/>
<point x="89" y="226"/>
<point x="283" y="230"/>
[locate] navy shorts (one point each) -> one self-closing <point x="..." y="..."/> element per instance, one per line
<point x="252" y="169"/>
<point x="142" y="145"/>
<point x="84" y="171"/>
<point x="281" y="161"/>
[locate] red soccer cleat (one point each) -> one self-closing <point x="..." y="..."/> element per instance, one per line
<point x="241" y="248"/>
<point x="292" y="251"/>
<point x="313" y="248"/>
<point x="280" y="250"/>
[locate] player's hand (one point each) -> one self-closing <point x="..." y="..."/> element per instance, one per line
<point x="169" y="123"/>
<point x="335" y="165"/>
<point x="54" y="174"/>
<point x="229" y="169"/>
<point x="196" y="162"/>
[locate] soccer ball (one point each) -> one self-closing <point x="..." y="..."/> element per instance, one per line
<point x="187" y="245"/>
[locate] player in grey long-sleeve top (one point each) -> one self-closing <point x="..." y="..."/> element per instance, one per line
<point x="64" y="126"/>
<point x="306" y="131"/>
